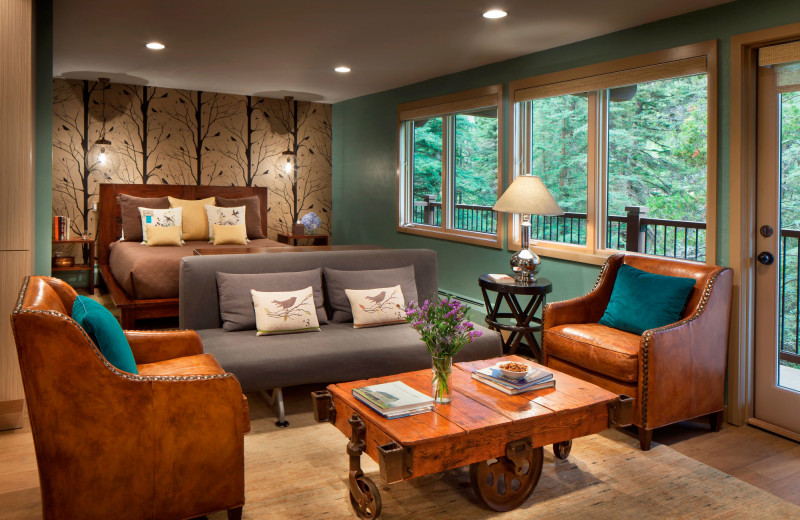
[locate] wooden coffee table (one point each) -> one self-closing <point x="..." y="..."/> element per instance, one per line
<point x="500" y="436"/>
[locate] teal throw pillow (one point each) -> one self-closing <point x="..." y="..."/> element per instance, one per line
<point x="105" y="331"/>
<point x="641" y="301"/>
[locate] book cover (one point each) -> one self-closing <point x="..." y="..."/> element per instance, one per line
<point x="514" y="391"/>
<point x="536" y="375"/>
<point x="394" y="414"/>
<point x="393" y="396"/>
<point x="500" y="278"/>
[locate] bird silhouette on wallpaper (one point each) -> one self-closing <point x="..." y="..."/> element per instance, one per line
<point x="285" y="304"/>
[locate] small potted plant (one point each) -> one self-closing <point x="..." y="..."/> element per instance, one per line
<point x="311" y="223"/>
<point x="445" y="330"/>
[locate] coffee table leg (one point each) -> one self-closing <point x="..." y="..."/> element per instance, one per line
<point x="561" y="449"/>
<point x="505" y="483"/>
<point x="364" y="495"/>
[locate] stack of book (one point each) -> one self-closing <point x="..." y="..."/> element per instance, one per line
<point x="60" y="228"/>
<point x="536" y="379"/>
<point x="393" y="400"/>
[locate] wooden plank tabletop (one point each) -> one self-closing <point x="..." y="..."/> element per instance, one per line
<point x="480" y="420"/>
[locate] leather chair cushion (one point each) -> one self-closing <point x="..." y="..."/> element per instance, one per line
<point x="598" y="348"/>
<point x="199" y="365"/>
<point x="105" y="331"/>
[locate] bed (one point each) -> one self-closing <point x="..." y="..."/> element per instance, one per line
<point x="143" y="281"/>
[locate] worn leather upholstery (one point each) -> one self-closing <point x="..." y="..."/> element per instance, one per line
<point x="675" y="372"/>
<point x="165" y="444"/>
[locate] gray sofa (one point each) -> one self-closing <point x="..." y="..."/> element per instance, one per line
<point x="339" y="352"/>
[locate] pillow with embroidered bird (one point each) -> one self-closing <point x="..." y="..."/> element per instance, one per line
<point x="373" y="307"/>
<point x="285" y="312"/>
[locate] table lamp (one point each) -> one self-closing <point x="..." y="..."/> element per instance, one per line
<point x="527" y="196"/>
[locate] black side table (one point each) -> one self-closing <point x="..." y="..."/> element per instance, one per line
<point x="523" y="317"/>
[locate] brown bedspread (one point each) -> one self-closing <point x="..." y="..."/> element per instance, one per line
<point x="152" y="272"/>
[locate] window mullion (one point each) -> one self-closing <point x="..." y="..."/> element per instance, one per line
<point x="448" y="162"/>
<point x="599" y="175"/>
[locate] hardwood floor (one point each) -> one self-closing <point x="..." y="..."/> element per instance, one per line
<point x="760" y="458"/>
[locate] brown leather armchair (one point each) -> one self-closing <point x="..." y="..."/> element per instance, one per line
<point x="167" y="443"/>
<point x="675" y="372"/>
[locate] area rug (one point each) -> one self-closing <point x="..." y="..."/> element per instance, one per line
<point x="301" y="472"/>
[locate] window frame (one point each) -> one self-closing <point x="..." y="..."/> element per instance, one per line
<point x="446" y="107"/>
<point x="573" y="81"/>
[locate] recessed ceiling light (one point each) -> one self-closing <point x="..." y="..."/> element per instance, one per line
<point x="342" y="69"/>
<point x="495" y="13"/>
<point x="155" y="46"/>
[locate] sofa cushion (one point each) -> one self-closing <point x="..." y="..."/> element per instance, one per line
<point x="337" y="281"/>
<point x="595" y="347"/>
<point x="285" y="312"/>
<point x="374" y="307"/>
<point x="641" y="301"/>
<point x="105" y="331"/>
<point x="252" y="213"/>
<point x="131" y="220"/>
<point x="339" y="353"/>
<point x="199" y="365"/>
<point x="236" y="302"/>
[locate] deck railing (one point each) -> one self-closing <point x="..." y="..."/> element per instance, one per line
<point x="634" y="231"/>
<point x="789" y="290"/>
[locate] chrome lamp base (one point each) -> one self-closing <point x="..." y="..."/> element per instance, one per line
<point x="524" y="264"/>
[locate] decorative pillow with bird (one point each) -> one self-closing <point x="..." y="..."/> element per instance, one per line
<point x="372" y="307"/>
<point x="223" y="217"/>
<point x="160" y="218"/>
<point x="285" y="312"/>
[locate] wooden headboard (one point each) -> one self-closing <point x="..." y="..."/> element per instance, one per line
<point x="109" y="217"/>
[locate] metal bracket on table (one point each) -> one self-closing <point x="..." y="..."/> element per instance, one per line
<point x="519" y="452"/>
<point x="620" y="411"/>
<point x="276" y="398"/>
<point x="395" y="462"/>
<point x="324" y="410"/>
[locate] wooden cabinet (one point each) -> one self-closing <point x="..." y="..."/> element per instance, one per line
<point x="88" y="259"/>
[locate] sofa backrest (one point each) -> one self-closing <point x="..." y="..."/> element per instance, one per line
<point x="199" y="299"/>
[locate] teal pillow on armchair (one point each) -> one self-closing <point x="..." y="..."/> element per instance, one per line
<point x="641" y="301"/>
<point x="105" y="331"/>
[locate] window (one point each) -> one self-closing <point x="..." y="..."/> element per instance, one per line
<point x="628" y="150"/>
<point x="450" y="166"/>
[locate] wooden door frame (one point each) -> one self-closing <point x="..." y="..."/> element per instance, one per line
<point x="741" y="351"/>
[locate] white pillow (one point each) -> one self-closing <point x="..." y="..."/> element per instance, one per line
<point x="161" y="218"/>
<point x="371" y="307"/>
<point x="223" y="217"/>
<point x="285" y="312"/>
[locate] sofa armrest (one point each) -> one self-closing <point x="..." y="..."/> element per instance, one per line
<point x="201" y="426"/>
<point x="151" y="346"/>
<point x="682" y="365"/>
<point x="588" y="308"/>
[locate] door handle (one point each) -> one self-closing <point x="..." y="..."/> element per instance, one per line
<point x="765" y="257"/>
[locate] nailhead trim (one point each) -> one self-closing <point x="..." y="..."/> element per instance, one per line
<point x="132" y="377"/>
<point x="649" y="336"/>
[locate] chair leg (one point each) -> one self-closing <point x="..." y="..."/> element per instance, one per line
<point x="715" y="420"/>
<point x="235" y="513"/>
<point x="645" y="438"/>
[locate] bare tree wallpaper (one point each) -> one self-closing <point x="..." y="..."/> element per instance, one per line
<point x="171" y="136"/>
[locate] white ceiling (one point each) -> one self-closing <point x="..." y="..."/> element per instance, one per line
<point x="274" y="48"/>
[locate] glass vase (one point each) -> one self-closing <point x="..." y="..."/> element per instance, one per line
<point x="441" y="368"/>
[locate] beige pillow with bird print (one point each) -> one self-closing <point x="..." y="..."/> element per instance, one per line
<point x="285" y="312"/>
<point x="372" y="307"/>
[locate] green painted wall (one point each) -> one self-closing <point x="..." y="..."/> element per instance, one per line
<point x="365" y="139"/>
<point x="43" y="177"/>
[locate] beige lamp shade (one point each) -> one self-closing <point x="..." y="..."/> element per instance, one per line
<point x="528" y="195"/>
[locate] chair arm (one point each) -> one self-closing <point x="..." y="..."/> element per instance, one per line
<point x="588" y="308"/>
<point x="201" y="425"/>
<point x="151" y="346"/>
<point x="682" y="365"/>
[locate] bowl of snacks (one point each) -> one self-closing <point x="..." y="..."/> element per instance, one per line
<point x="513" y="370"/>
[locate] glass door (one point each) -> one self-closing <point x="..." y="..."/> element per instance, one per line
<point x="777" y="327"/>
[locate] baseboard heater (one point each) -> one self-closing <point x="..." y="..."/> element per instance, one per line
<point x="475" y="305"/>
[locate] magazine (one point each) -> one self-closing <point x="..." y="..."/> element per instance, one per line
<point x="395" y="399"/>
<point x="535" y="376"/>
<point x="514" y="391"/>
